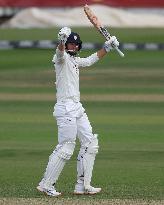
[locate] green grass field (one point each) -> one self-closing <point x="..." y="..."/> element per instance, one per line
<point x="124" y="99"/>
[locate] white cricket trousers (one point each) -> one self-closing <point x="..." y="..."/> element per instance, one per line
<point x="72" y="122"/>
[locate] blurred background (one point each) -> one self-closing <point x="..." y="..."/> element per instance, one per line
<point x="124" y="97"/>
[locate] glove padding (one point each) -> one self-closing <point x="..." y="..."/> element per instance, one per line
<point x="64" y="34"/>
<point x="111" y="44"/>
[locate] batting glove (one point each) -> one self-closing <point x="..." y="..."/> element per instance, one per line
<point x="111" y="44"/>
<point x="64" y="34"/>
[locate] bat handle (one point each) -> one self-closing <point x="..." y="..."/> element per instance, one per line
<point x="119" y="52"/>
<point x="116" y="48"/>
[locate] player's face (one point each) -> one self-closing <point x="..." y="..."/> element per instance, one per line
<point x="72" y="46"/>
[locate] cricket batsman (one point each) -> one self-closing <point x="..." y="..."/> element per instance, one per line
<point x="72" y="121"/>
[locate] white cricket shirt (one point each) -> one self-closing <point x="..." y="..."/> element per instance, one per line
<point x="67" y="74"/>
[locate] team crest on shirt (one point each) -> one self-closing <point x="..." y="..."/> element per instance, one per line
<point x="75" y="37"/>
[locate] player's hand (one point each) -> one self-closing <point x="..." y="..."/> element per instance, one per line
<point x="110" y="44"/>
<point x="64" y="34"/>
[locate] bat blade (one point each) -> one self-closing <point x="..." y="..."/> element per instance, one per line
<point x="92" y="17"/>
<point x="98" y="25"/>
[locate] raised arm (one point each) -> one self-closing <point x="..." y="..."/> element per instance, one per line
<point x="62" y="38"/>
<point x="108" y="46"/>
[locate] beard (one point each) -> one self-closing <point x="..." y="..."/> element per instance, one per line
<point x="72" y="52"/>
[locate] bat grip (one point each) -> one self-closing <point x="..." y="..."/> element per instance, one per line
<point x="119" y="52"/>
<point x="116" y="48"/>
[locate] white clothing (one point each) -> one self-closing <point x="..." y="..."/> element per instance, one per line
<point x="72" y="121"/>
<point x="67" y="74"/>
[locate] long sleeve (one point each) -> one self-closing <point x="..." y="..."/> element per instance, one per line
<point x="88" y="61"/>
<point x="59" y="57"/>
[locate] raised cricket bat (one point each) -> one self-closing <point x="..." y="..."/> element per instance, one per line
<point x="97" y="24"/>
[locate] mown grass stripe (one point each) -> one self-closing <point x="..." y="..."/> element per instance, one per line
<point x="89" y="97"/>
